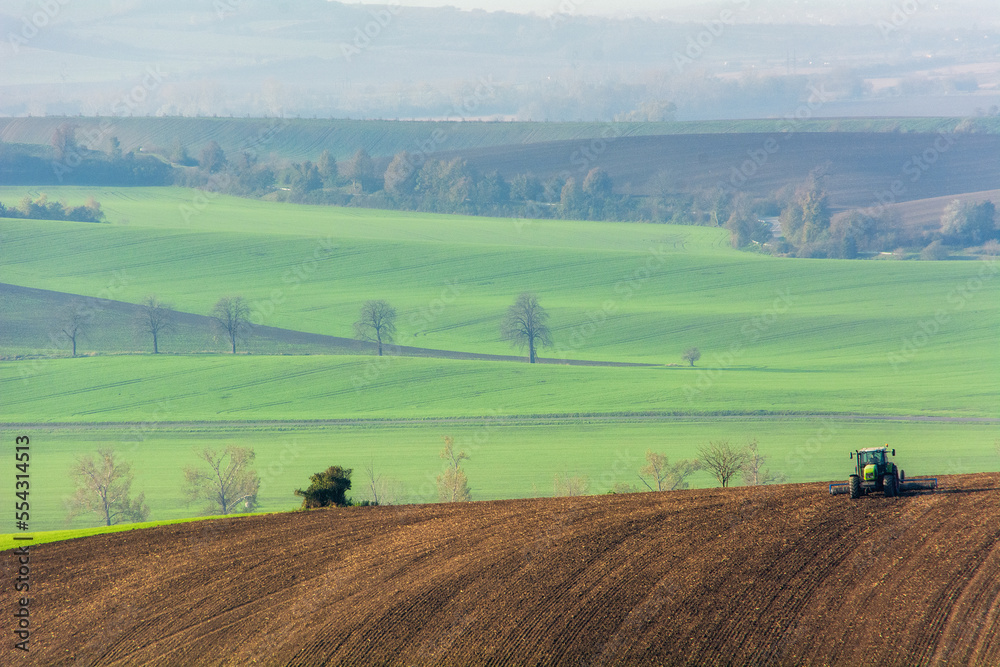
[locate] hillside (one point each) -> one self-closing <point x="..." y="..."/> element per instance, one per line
<point x="783" y="575"/>
<point x="305" y="139"/>
<point x="859" y="167"/>
<point x="925" y="214"/>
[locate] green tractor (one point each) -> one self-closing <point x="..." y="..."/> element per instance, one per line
<point x="873" y="471"/>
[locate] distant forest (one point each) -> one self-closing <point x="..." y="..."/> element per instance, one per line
<point x="417" y="183"/>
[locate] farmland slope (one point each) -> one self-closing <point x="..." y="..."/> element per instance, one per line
<point x="861" y="169"/>
<point x="777" y="575"/>
<point x="305" y="139"/>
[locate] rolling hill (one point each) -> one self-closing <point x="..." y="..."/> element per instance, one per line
<point x="860" y="168"/>
<point x="925" y="214"/>
<point x="784" y="575"/>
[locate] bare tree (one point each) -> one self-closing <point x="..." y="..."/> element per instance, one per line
<point x="381" y="490"/>
<point x="525" y="325"/>
<point x="665" y="477"/>
<point x="723" y="460"/>
<point x="376" y="323"/>
<point x="231" y="315"/>
<point x="229" y="483"/>
<point x="577" y="485"/>
<point x="754" y="472"/>
<point x="73" y="323"/>
<point x="453" y="486"/>
<point x="103" y="487"/>
<point x="691" y="355"/>
<point x="155" y="318"/>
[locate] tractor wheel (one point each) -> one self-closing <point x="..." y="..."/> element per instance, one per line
<point x="889" y="485"/>
<point x="855" y="484"/>
<point x="902" y="477"/>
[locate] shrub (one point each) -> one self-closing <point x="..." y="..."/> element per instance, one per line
<point x="327" y="488"/>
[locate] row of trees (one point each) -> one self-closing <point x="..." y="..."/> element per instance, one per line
<point x="809" y="229"/>
<point x="41" y="208"/>
<point x="524" y="325"/>
<point x="723" y="460"/>
<point x="411" y="182"/>
<point x="408" y="182"/>
<point x="100" y="162"/>
<point x="226" y="480"/>
<point x="230" y="316"/>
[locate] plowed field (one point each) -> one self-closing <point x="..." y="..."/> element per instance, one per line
<point x="784" y="575"/>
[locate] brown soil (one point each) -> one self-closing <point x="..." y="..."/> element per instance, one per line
<point x="860" y="168"/>
<point x="784" y="575"/>
<point x="925" y="214"/>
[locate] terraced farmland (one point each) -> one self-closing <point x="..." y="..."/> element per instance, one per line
<point x="783" y="575"/>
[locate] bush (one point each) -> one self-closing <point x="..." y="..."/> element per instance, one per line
<point x="327" y="488"/>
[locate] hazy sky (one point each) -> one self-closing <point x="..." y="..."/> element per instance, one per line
<point x="546" y="7"/>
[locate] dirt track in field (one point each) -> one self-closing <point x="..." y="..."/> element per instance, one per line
<point x="785" y="575"/>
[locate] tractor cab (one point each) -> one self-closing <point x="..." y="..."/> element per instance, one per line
<point x="872" y="457"/>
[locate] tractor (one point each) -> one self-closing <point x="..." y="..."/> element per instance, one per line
<point x="874" y="472"/>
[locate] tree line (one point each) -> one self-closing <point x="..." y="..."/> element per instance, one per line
<point x="40" y="208"/>
<point x="100" y="160"/>
<point x="226" y="482"/>
<point x="809" y="229"/>
<point x="524" y="324"/>
<point x="420" y="183"/>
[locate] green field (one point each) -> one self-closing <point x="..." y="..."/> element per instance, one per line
<point x="803" y="338"/>
<point x="510" y="458"/>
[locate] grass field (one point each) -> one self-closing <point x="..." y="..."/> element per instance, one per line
<point x="509" y="458"/>
<point x="778" y="336"/>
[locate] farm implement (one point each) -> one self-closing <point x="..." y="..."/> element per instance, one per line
<point x="875" y="473"/>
